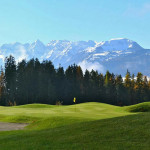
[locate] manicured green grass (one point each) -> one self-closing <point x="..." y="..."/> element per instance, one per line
<point x="82" y="126"/>
<point x="142" y="107"/>
<point x="35" y="106"/>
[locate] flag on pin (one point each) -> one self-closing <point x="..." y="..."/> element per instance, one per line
<point x="74" y="100"/>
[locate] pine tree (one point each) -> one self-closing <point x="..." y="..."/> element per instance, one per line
<point x="107" y="85"/>
<point x="60" y="84"/>
<point x="47" y="82"/>
<point x="94" y="85"/>
<point x="101" y="90"/>
<point x="145" y="90"/>
<point x="127" y="79"/>
<point x="127" y="84"/>
<point x="138" y="87"/>
<point x="79" y="82"/>
<point x="120" y="94"/>
<point x="10" y="78"/>
<point x="86" y="85"/>
<point x="30" y="81"/>
<point x="69" y="91"/>
<point x="132" y="90"/>
<point x="22" y="86"/>
<point x="36" y="71"/>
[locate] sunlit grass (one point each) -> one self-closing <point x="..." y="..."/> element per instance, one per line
<point x="82" y="126"/>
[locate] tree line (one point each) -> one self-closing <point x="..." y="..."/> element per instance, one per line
<point x="33" y="81"/>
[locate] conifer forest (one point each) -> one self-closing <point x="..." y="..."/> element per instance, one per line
<point x="33" y="81"/>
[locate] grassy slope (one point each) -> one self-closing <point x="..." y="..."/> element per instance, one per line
<point x="82" y="126"/>
<point x="142" y="107"/>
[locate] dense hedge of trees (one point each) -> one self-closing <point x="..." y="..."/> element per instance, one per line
<point x="39" y="82"/>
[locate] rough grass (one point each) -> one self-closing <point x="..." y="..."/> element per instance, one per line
<point x="84" y="126"/>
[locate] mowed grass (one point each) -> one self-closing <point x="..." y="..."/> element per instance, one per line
<point x="82" y="126"/>
<point x="142" y="107"/>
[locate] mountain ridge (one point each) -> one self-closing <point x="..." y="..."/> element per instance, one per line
<point x="106" y="55"/>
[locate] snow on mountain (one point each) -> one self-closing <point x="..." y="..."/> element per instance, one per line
<point x="116" y="55"/>
<point x="119" y="44"/>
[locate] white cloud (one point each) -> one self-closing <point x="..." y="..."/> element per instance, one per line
<point x="138" y="11"/>
<point x="91" y="65"/>
<point x="2" y="57"/>
<point x="21" y="53"/>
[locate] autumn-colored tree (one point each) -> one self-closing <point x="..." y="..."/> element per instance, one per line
<point x="2" y="87"/>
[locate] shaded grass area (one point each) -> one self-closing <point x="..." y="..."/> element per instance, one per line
<point x="128" y="132"/>
<point x="141" y="107"/>
<point x="83" y="126"/>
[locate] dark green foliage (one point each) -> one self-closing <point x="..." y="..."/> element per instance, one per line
<point x="22" y="83"/>
<point x="2" y="88"/>
<point x="39" y="82"/>
<point x="120" y="90"/>
<point x="10" y="78"/>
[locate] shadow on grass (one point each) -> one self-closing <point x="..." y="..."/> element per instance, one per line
<point x="126" y="132"/>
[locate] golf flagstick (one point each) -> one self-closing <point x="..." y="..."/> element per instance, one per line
<point x="74" y="100"/>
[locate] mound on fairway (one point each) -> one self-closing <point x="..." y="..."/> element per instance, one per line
<point x="36" y="106"/>
<point x="82" y="126"/>
<point x="142" y="107"/>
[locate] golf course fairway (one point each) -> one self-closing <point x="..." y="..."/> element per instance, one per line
<point x="86" y="126"/>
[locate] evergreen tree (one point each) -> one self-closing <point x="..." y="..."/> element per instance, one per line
<point x="69" y="85"/>
<point x="30" y="81"/>
<point x="22" y="87"/>
<point x="138" y="87"/>
<point x="120" y="95"/>
<point x="47" y="82"/>
<point x="94" y="85"/>
<point x="101" y="89"/>
<point x="127" y="79"/>
<point x="145" y="90"/>
<point x="127" y="84"/>
<point x="10" y="78"/>
<point x="79" y="82"/>
<point x="36" y="71"/>
<point x="132" y="90"/>
<point x="38" y="82"/>
<point x="109" y="88"/>
<point x="60" y="84"/>
<point x="87" y="85"/>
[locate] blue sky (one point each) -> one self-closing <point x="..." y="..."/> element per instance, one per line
<point x="28" y="20"/>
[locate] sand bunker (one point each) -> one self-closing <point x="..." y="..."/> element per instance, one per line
<point x="12" y="126"/>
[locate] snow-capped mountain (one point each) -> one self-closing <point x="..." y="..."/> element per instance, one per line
<point x="115" y="55"/>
